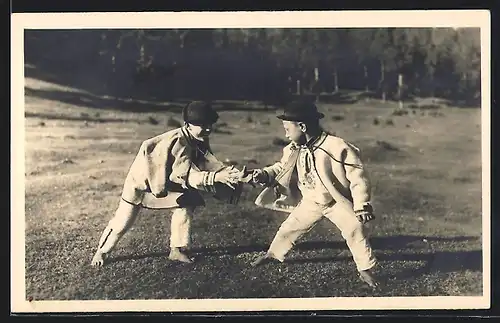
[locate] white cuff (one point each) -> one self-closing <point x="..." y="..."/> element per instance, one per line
<point x="209" y="181"/>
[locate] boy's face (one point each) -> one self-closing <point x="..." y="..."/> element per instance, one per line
<point x="200" y="131"/>
<point x="294" y="131"/>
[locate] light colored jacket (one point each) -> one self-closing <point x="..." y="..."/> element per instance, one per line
<point x="338" y="166"/>
<point x="169" y="170"/>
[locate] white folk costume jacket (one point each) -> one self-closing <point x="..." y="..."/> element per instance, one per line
<point x="338" y="166"/>
<point x="170" y="170"/>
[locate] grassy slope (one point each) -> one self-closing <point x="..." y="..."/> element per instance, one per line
<point x="427" y="198"/>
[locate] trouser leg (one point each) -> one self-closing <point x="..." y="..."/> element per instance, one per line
<point x="301" y="220"/>
<point x="180" y="227"/>
<point x="354" y="234"/>
<point x="123" y="219"/>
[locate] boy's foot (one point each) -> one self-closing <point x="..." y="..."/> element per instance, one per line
<point x="98" y="259"/>
<point x="264" y="259"/>
<point x="177" y="255"/>
<point x="368" y="277"/>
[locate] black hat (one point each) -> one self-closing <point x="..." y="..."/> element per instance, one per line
<point x="300" y="111"/>
<point x="199" y="113"/>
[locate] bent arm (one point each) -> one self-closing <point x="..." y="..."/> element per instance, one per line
<point x="357" y="176"/>
<point x="186" y="173"/>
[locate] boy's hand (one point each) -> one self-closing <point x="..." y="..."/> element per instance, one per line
<point x="259" y="176"/>
<point x="246" y="176"/>
<point x="365" y="215"/>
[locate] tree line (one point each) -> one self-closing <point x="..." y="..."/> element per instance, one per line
<point x="267" y="64"/>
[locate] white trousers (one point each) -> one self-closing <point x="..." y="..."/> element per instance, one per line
<point x="125" y="215"/>
<point x="307" y="214"/>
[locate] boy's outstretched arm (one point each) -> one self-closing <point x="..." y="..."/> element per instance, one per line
<point x="267" y="174"/>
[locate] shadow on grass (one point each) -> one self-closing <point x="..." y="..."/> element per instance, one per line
<point x="441" y="261"/>
<point x="103" y="103"/>
<point x="435" y="261"/>
<point x="203" y="251"/>
<point x="112" y="103"/>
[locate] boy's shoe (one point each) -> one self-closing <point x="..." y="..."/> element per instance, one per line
<point x="369" y="278"/>
<point x="98" y="259"/>
<point x="177" y="255"/>
<point x="264" y="259"/>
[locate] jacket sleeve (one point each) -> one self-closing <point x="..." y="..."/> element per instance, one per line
<point x="155" y="166"/>
<point x="357" y="176"/>
<point x="186" y="173"/>
<point x="274" y="169"/>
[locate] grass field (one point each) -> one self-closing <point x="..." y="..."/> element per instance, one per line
<point x="426" y="171"/>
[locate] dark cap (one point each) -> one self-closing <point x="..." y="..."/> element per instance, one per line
<point x="199" y="113"/>
<point x="300" y="111"/>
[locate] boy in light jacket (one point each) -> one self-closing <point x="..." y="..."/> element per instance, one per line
<point x="168" y="173"/>
<point x="319" y="175"/>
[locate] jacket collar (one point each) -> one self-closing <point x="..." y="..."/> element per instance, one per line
<point x="204" y="145"/>
<point x="313" y="143"/>
<point x="197" y="148"/>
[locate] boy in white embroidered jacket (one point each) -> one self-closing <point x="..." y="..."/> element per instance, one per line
<point x="318" y="175"/>
<point x="168" y="173"/>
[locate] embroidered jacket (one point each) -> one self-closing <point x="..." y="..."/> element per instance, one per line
<point x="310" y="186"/>
<point x="337" y="164"/>
<point x="170" y="170"/>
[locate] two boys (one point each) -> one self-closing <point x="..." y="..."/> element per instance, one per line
<point x="318" y="175"/>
